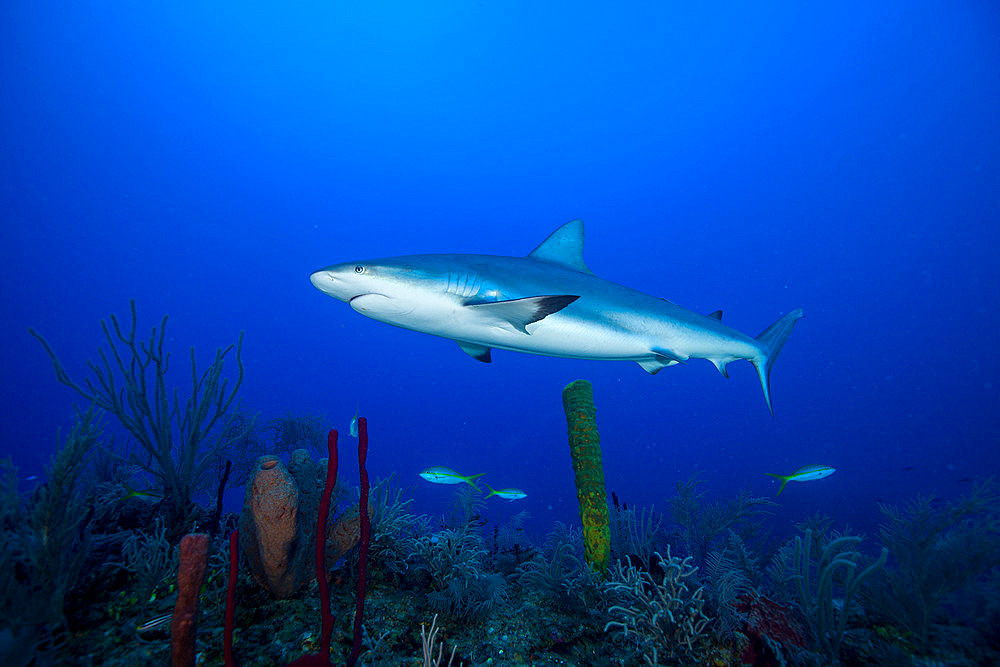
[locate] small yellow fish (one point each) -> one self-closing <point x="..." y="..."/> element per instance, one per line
<point x="806" y="473"/>
<point x="506" y="494"/>
<point x="443" y="475"/>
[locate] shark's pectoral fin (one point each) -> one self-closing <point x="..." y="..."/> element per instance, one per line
<point x="477" y="352"/>
<point x="519" y="313"/>
<point x="661" y="360"/>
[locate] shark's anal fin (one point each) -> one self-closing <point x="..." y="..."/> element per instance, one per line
<point x="720" y="363"/>
<point x="519" y="313"/>
<point x="564" y="247"/>
<point x="477" y="352"/>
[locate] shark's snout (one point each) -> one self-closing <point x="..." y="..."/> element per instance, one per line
<point x="324" y="281"/>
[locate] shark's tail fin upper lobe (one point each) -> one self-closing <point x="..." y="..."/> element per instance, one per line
<point x="771" y="341"/>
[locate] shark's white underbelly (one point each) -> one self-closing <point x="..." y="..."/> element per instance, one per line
<point x="624" y="337"/>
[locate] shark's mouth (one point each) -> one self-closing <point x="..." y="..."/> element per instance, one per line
<point x="361" y="296"/>
<point x="370" y="302"/>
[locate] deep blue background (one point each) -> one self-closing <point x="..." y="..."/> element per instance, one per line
<point x="204" y="158"/>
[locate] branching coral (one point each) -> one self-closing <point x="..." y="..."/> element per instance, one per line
<point x="561" y="574"/>
<point x="455" y="563"/>
<point x="394" y="528"/>
<point x="664" y="613"/>
<point x="635" y="534"/>
<point x="703" y="525"/>
<point x="46" y="542"/>
<point x="150" y="558"/>
<point x="835" y="571"/>
<point x="938" y="548"/>
<point x="130" y="383"/>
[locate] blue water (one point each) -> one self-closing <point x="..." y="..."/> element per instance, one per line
<point x="204" y="159"/>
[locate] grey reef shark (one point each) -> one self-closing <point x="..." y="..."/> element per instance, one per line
<point x="546" y="303"/>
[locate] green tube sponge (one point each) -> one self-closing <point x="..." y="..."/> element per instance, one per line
<point x="585" y="449"/>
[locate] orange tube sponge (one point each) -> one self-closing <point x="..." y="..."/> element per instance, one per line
<point x="585" y="449"/>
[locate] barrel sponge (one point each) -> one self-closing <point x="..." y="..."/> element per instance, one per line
<point x="585" y="450"/>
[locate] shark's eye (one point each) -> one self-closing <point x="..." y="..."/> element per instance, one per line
<point x="359" y="269"/>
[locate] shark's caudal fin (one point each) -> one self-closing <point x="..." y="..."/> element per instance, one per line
<point x="784" y="480"/>
<point x="771" y="342"/>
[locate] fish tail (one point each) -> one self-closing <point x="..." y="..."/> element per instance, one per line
<point x="771" y="341"/>
<point x="470" y="480"/>
<point x="492" y="492"/>
<point x="784" y="480"/>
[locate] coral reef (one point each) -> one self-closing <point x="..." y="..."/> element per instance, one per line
<point x="585" y="450"/>
<point x="554" y="608"/>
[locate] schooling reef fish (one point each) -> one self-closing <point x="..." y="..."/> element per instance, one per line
<point x="547" y="303"/>
<point x="804" y="474"/>
<point x="443" y="475"/>
<point x="506" y="494"/>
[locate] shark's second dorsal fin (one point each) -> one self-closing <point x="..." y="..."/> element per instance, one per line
<point x="564" y="247"/>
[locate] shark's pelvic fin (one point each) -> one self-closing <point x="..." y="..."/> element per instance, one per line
<point x="771" y="341"/>
<point x="655" y="365"/>
<point x="519" y="313"/>
<point x="564" y="247"/>
<point x="662" y="359"/>
<point x="477" y="352"/>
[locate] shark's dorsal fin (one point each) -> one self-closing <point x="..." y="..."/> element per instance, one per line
<point x="715" y="315"/>
<point x="564" y="247"/>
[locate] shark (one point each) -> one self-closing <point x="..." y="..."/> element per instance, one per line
<point x="547" y="303"/>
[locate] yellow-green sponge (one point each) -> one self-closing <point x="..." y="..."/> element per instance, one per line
<point x="585" y="448"/>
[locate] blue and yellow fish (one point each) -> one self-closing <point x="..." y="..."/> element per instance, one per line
<point x="806" y="473"/>
<point x="443" y="475"/>
<point x="506" y="494"/>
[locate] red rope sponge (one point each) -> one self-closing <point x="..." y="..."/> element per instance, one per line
<point x="359" y="613"/>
